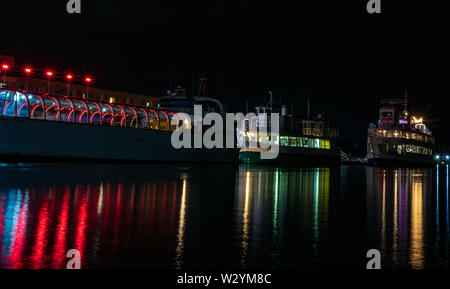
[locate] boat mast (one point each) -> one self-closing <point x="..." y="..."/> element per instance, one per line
<point x="406" y="98"/>
<point x="307" y="108"/>
<point x="202" y="88"/>
<point x="270" y="100"/>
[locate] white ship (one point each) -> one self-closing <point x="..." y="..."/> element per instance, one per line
<point x="45" y="127"/>
<point x="399" y="137"/>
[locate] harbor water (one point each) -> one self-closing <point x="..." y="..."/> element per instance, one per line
<point x="178" y="216"/>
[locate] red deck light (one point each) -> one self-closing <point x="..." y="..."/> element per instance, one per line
<point x="88" y="81"/>
<point x="49" y="75"/>
<point x="27" y="71"/>
<point x="5" y="68"/>
<point x="69" y="78"/>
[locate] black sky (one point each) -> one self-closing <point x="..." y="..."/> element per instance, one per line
<point x="332" y="51"/>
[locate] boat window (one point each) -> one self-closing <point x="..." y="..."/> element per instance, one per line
<point x="9" y="104"/>
<point x="118" y="115"/>
<point x="132" y="119"/>
<point x="3" y="94"/>
<point x="107" y="113"/>
<point x="164" y="120"/>
<point x="284" y="141"/>
<point x="51" y="108"/>
<point x="142" y="118"/>
<point x="45" y="107"/>
<point x="81" y="112"/>
<point x="176" y="103"/>
<point x="153" y="119"/>
<point x="173" y="116"/>
<point x="292" y="141"/>
<point x="66" y="110"/>
<point x="22" y="105"/>
<point x="94" y="112"/>
<point x="37" y="108"/>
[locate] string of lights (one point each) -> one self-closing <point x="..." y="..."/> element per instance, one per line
<point x="47" y="74"/>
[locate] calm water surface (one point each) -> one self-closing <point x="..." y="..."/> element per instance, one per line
<point x="206" y="217"/>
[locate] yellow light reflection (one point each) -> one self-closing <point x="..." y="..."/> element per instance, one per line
<point x="100" y="200"/>
<point x="416" y="254"/>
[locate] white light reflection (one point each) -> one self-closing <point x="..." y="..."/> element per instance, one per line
<point x="181" y="227"/>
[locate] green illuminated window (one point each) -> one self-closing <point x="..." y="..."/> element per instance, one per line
<point x="305" y="142"/>
<point x="292" y="141"/>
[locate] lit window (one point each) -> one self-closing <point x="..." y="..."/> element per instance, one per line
<point x="111" y="100"/>
<point x="408" y="148"/>
<point x="284" y="141"/>
<point x="305" y="142"/>
<point x="316" y="143"/>
<point x="292" y="141"/>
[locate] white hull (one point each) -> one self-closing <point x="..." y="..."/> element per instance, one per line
<point x="383" y="151"/>
<point x="23" y="137"/>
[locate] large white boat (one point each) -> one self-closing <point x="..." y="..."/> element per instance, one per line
<point x="399" y="137"/>
<point x="45" y="127"/>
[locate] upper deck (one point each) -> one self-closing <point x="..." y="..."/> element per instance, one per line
<point x="24" y="104"/>
<point x="401" y="134"/>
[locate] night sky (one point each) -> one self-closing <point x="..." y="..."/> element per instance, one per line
<point x="331" y="51"/>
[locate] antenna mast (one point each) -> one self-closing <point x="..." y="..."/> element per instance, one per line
<point x="202" y="88"/>
<point x="307" y="108"/>
<point x="406" y="98"/>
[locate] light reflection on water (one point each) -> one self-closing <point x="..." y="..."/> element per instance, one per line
<point x="403" y="206"/>
<point x="167" y="216"/>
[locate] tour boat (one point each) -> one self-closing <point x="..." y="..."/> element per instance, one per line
<point x="301" y="141"/>
<point x="399" y="137"/>
<point x="46" y="127"/>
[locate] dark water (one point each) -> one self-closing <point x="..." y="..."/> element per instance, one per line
<point x="206" y="217"/>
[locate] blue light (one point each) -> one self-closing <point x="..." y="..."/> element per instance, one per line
<point x="437" y="157"/>
<point x="447" y="157"/>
